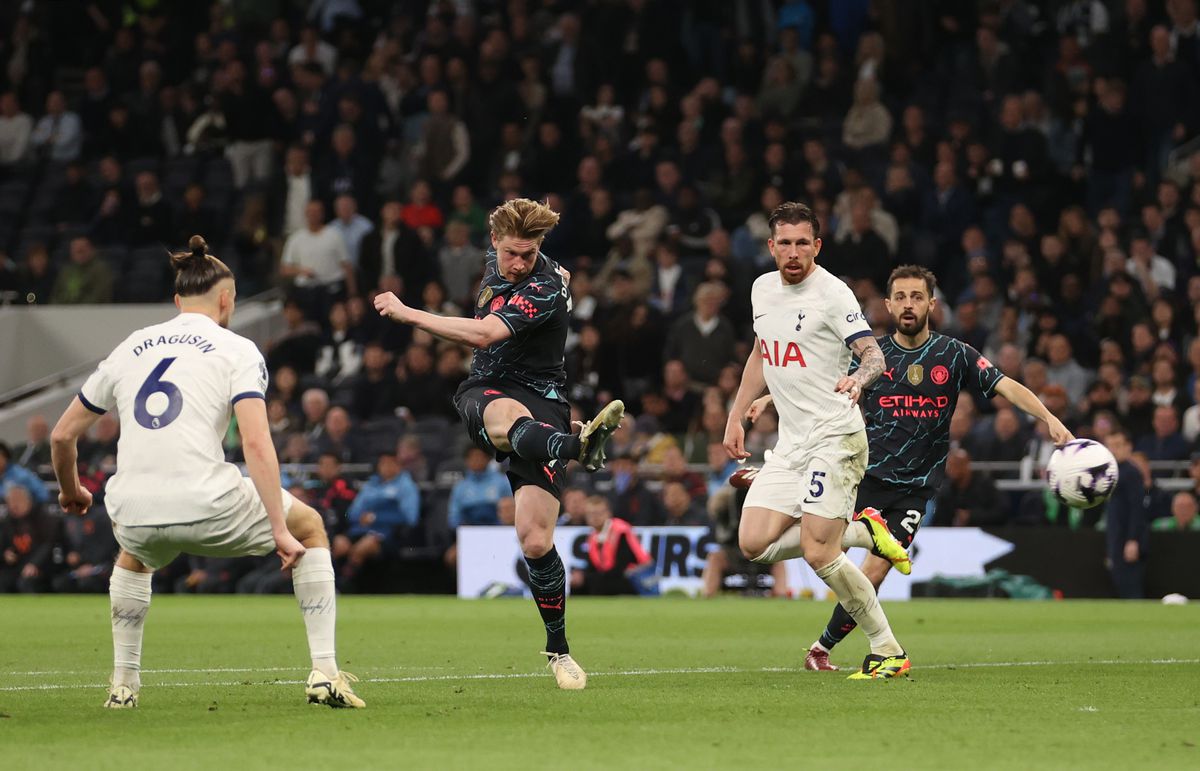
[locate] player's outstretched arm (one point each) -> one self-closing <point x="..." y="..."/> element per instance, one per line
<point x="870" y="367"/>
<point x="753" y="383"/>
<point x="64" y="455"/>
<point x="1028" y="401"/>
<point x="263" y="466"/>
<point x="477" y="333"/>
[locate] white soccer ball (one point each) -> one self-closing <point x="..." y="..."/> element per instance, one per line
<point x="1082" y="473"/>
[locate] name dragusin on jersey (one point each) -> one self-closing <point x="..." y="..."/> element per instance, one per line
<point x="200" y="341"/>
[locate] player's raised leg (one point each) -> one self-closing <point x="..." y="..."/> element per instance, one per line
<point x="512" y="428"/>
<point x="313" y="583"/>
<point x="537" y="511"/>
<point x="129" y="601"/>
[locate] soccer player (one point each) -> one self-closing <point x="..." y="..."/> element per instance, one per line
<point x="174" y="386"/>
<point x="908" y="414"/>
<point x="514" y="403"/>
<point x="806" y="324"/>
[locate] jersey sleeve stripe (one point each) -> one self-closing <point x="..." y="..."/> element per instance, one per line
<point x="84" y="401"/>
<point x="247" y="395"/>
<point x="856" y="335"/>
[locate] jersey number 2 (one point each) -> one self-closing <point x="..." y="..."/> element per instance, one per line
<point x="156" y="385"/>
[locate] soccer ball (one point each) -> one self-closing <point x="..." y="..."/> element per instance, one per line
<point x="1082" y="473"/>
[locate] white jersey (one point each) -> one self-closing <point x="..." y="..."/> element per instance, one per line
<point x="173" y="386"/>
<point x="804" y="332"/>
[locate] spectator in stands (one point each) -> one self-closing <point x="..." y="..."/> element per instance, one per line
<point x="346" y="171"/>
<point x="314" y="403"/>
<point x="461" y="263"/>
<point x="58" y="135"/>
<point x="395" y="250"/>
<point x="251" y="120"/>
<point x="631" y="500"/>
<point x="382" y="517"/>
<point x="36" y="276"/>
<point x="1191" y="417"/>
<point x="1183" y="514"/>
<point x="574" y="507"/>
<point x="90" y="551"/>
<point x="642" y="224"/>
<point x="86" y="279"/>
<point x="297" y="346"/>
<point x="473" y="498"/>
<point x="291" y="191"/>
<point x="331" y="493"/>
<point x="316" y="260"/>
<point x="1126" y="520"/>
<point x="868" y="123"/>
<point x="337" y="438"/>
<point x="151" y="215"/>
<point x="704" y="340"/>
<point x="1007" y="439"/>
<point x="27" y="539"/>
<point x="445" y="144"/>
<point x="16" y="129"/>
<point x="35" y="450"/>
<point x="679" y="509"/>
<point x="674" y="469"/>
<point x="1063" y="370"/>
<point x="1165" y="443"/>
<point x="193" y="217"/>
<point x="350" y="225"/>
<point x="339" y="358"/>
<point x="614" y="553"/>
<point x="12" y="473"/>
<point x="968" y="498"/>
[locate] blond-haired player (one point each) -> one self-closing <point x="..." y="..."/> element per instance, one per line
<point x="514" y="403"/>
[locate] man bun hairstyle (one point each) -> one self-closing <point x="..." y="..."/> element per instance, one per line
<point x="913" y="271"/>
<point x="197" y="271"/>
<point x="793" y="213"/>
<point x="522" y="218"/>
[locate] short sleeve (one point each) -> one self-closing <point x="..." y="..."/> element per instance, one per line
<point x="848" y="318"/>
<point x="981" y="376"/>
<point x="249" y="377"/>
<point x="97" y="391"/>
<point x="530" y="306"/>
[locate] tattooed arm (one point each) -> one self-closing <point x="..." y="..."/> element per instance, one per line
<point x="870" y="367"/>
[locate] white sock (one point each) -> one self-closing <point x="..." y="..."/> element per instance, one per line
<point x="312" y="579"/>
<point x="818" y="644"/>
<point x="858" y="597"/>
<point x="857" y="534"/>
<point x="786" y="547"/>
<point x="129" y="598"/>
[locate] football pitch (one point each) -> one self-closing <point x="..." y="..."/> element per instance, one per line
<point x="673" y="683"/>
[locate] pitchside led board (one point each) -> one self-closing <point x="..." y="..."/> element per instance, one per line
<point x="487" y="558"/>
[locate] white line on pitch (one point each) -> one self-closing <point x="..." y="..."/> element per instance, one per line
<point x="618" y="673"/>
<point x="202" y="670"/>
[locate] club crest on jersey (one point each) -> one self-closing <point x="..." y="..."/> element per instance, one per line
<point x="915" y="374"/>
<point x="799" y="320"/>
<point x="484" y="296"/>
<point x="497" y="303"/>
<point x="939" y="375"/>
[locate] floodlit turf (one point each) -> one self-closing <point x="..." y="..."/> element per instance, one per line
<point x="675" y="683"/>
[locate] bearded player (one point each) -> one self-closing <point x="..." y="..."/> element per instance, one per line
<point x="807" y="325"/>
<point x="514" y="403"/>
<point x="908" y="414"/>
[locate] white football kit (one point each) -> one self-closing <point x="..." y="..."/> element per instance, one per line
<point x="173" y="386"/>
<point x="803" y="332"/>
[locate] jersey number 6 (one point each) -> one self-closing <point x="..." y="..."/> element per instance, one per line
<point x="156" y="385"/>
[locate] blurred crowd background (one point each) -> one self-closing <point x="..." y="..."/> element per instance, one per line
<point x="1039" y="157"/>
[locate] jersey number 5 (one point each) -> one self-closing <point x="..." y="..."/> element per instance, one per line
<point x="156" y="385"/>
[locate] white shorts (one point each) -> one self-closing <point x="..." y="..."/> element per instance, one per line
<point x="822" y="480"/>
<point x="243" y="531"/>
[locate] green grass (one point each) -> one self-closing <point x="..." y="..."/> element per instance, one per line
<point x="1091" y="698"/>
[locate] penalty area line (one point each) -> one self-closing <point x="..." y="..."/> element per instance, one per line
<point x="614" y="673"/>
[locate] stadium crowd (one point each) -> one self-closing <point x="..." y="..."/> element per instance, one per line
<point x="1039" y="157"/>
